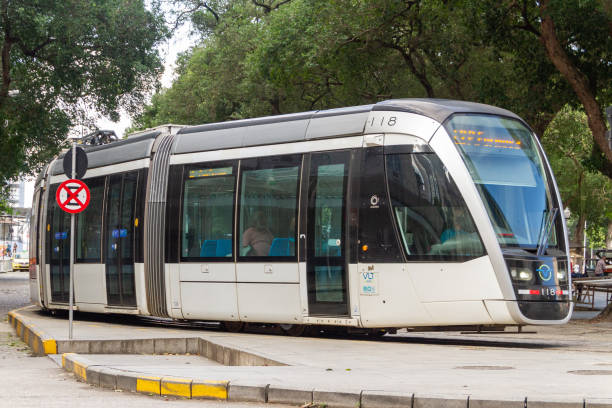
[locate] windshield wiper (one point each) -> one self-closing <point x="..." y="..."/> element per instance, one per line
<point x="548" y="221"/>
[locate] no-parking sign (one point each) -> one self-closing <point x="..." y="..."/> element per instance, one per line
<point x="72" y="196"/>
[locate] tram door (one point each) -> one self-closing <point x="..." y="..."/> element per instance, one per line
<point x="119" y="239"/>
<point x="326" y="243"/>
<point x="58" y="238"/>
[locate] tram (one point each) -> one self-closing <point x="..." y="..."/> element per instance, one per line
<point x="404" y="213"/>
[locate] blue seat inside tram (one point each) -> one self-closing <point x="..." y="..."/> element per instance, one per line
<point x="216" y="248"/>
<point x="282" y="247"/>
<point x="209" y="248"/>
<point x="224" y="247"/>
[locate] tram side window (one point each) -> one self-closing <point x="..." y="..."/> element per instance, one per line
<point x="58" y="225"/>
<point x="89" y="224"/>
<point x="208" y="209"/>
<point x="431" y="215"/>
<point x="58" y="247"/>
<point x="268" y="206"/>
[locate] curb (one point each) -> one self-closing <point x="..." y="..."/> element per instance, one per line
<point x="189" y="388"/>
<point x="40" y="343"/>
<point x="102" y="376"/>
<point x="192" y="388"/>
<point x="43" y="344"/>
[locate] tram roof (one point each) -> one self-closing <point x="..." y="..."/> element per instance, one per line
<point x="288" y="128"/>
<point x="311" y="125"/>
<point x="122" y="151"/>
<point x="439" y="109"/>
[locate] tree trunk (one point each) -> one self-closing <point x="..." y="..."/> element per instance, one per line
<point x="419" y="74"/>
<point x="609" y="236"/>
<point x="5" y="53"/>
<point x="579" y="84"/>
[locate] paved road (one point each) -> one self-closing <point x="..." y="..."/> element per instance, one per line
<point x="14" y="291"/>
<point x="38" y="382"/>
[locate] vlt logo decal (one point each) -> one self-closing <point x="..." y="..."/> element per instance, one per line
<point x="545" y="272"/>
<point x="368" y="275"/>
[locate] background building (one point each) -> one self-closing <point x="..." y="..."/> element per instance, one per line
<point x="17" y="194"/>
<point x="15" y="226"/>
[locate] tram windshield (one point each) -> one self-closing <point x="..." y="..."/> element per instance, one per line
<point x="506" y="165"/>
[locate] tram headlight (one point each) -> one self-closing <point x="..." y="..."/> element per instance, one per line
<point x="521" y="274"/>
<point x="525" y="275"/>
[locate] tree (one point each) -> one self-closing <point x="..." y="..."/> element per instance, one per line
<point x="58" y="56"/>
<point x="213" y="81"/>
<point x="568" y="144"/>
<point x="301" y="55"/>
<point x="576" y="36"/>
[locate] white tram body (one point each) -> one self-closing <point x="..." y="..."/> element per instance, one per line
<point x="404" y="213"/>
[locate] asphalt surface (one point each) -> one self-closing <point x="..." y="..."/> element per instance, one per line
<point x="14" y="291"/>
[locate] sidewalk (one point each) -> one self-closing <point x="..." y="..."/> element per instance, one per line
<point x="568" y="366"/>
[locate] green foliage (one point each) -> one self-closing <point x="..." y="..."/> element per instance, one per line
<point x="307" y="55"/>
<point x="584" y="32"/>
<point x="61" y="56"/>
<point x="212" y="83"/>
<point x="597" y="236"/>
<point x="302" y="55"/>
<point x="568" y="144"/>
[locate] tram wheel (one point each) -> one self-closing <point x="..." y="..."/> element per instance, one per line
<point x="233" y="327"/>
<point x="294" y="330"/>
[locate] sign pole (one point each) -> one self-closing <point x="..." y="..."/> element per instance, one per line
<point x="71" y="291"/>
<point x="73" y="197"/>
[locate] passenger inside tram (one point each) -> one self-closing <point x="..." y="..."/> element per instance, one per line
<point x="258" y="237"/>
<point x="268" y="206"/>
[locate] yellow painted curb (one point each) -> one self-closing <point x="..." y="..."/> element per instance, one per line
<point x="209" y="389"/>
<point x="148" y="385"/>
<point x="79" y="370"/>
<point x="64" y="359"/>
<point x="180" y="387"/>
<point x="31" y="336"/>
<point x="49" y="346"/>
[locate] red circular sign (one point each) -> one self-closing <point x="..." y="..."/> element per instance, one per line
<point x="72" y="196"/>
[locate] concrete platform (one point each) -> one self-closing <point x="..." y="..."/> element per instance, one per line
<point x="568" y="366"/>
